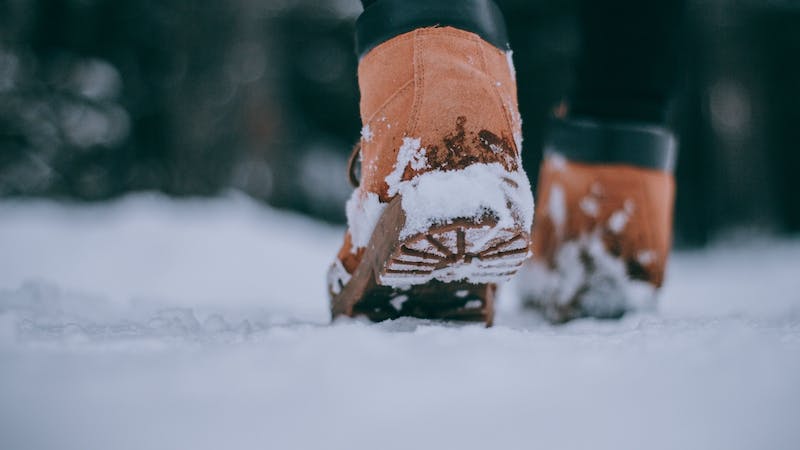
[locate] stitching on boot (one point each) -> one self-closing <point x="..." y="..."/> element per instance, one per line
<point x="485" y="66"/>
<point x="419" y="80"/>
<point x="391" y="43"/>
<point x="451" y="31"/>
<point x="385" y="104"/>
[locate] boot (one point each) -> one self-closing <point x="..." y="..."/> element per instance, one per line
<point x="443" y="209"/>
<point x="603" y="220"/>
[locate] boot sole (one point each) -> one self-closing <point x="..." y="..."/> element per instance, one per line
<point x="448" y="272"/>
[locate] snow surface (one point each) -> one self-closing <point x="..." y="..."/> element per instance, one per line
<point x="151" y="323"/>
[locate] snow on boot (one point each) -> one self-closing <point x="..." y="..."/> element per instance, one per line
<point x="603" y="220"/>
<point x="443" y="209"/>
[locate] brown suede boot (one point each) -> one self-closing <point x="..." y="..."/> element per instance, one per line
<point x="603" y="221"/>
<point x="443" y="208"/>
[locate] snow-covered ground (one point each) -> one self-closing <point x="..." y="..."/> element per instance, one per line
<point x="151" y="323"/>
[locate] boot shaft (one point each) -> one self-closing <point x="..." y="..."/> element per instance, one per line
<point x="435" y="99"/>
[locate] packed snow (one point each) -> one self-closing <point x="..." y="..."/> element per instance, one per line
<point x="439" y="196"/>
<point x="153" y="323"/>
<point x="411" y="150"/>
<point x="364" y="210"/>
<point x="606" y="290"/>
<point x="510" y="61"/>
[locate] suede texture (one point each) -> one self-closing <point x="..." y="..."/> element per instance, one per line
<point x="448" y="88"/>
<point x="642" y="199"/>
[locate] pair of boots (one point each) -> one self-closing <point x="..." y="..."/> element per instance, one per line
<point x="443" y="210"/>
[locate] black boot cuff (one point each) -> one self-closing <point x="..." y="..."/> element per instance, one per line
<point x="386" y="19"/>
<point x="606" y="142"/>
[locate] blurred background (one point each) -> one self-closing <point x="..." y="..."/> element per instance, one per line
<point x="99" y="98"/>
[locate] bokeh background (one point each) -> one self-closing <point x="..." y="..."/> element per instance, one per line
<point x="99" y="98"/>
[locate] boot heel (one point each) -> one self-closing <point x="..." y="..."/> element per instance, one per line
<point x="448" y="271"/>
<point x="465" y="249"/>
